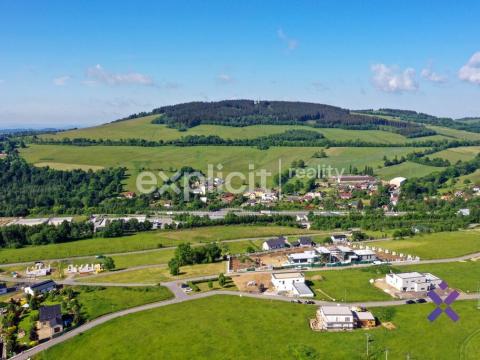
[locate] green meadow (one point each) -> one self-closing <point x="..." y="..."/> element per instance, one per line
<point x="232" y="327"/>
<point x="141" y="241"/>
<point x="232" y="158"/>
<point x="436" y="245"/>
<point x="463" y="153"/>
<point x="406" y="169"/>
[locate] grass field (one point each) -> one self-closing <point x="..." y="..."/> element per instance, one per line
<point x="452" y="133"/>
<point x="463" y="153"/>
<point x="98" y="301"/>
<point x="228" y="327"/>
<point x="233" y="158"/>
<point x="157" y="274"/>
<point x="141" y="241"/>
<point x="346" y="285"/>
<point x="407" y="169"/>
<point x="142" y="128"/>
<point x="436" y="245"/>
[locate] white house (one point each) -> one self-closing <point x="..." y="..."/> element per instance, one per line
<point x="40" y="288"/>
<point x="335" y="317"/>
<point x="338" y="238"/>
<point x="412" y="281"/>
<point x="276" y="243"/>
<point x="365" y="255"/>
<point x="39" y="269"/>
<point x="292" y="282"/>
<point x="397" y="182"/>
<point x="306" y="257"/>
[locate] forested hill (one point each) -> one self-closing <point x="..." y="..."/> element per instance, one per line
<point x="249" y="112"/>
<point x="467" y="124"/>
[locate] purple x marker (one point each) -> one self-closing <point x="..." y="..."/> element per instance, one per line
<point x="439" y="301"/>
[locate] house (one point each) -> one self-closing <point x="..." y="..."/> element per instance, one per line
<point x="333" y="317"/>
<point x="304" y="241"/>
<point x="292" y="282"/>
<point x="397" y="181"/>
<point x="273" y="244"/>
<point x="352" y="179"/>
<point x="3" y="288"/>
<point x="306" y="257"/>
<point x="49" y="322"/>
<point x="227" y="198"/>
<point x="338" y="238"/>
<point x="41" y="287"/>
<point x="345" y="195"/>
<point x="39" y="269"/>
<point x="412" y="281"/>
<point x="364" y="319"/>
<point x="344" y="253"/>
<point x="365" y="255"/>
<point x="324" y="253"/>
<point x="128" y="194"/>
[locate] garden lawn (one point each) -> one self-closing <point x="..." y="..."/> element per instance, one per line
<point x="98" y="301"/>
<point x="231" y="327"/>
<point x="141" y="241"/>
<point x="334" y="285"/>
<point x="436" y="245"/>
<point x="157" y="274"/>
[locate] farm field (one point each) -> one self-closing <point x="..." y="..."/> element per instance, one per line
<point x="155" y="275"/>
<point x="141" y="241"/>
<point x="97" y="301"/>
<point x="407" y="169"/>
<point x="245" y="328"/>
<point x="453" y="133"/>
<point x="142" y="128"/>
<point x="463" y="153"/>
<point x="233" y="158"/>
<point x="346" y="285"/>
<point x="436" y="245"/>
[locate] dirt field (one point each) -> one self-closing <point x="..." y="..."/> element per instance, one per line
<point x="5" y="221"/>
<point x="243" y="280"/>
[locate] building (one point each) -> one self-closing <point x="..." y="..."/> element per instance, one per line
<point x="304" y="258"/>
<point x="49" y="322"/>
<point x="464" y="212"/>
<point x="324" y="253"/>
<point x="276" y="243"/>
<point x="304" y="241"/>
<point x="344" y="253"/>
<point x="397" y="182"/>
<point x="333" y="317"/>
<point x="41" y="287"/>
<point x="3" y="288"/>
<point x="39" y="269"/>
<point x="364" y="319"/>
<point x="365" y="255"/>
<point x="338" y="238"/>
<point x="352" y="179"/>
<point x="412" y="281"/>
<point x="292" y="282"/>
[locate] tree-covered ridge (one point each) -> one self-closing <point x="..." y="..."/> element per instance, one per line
<point x="248" y="112"/>
<point x="413" y="116"/>
<point x="26" y="189"/>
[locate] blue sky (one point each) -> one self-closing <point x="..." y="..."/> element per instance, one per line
<point x="78" y="63"/>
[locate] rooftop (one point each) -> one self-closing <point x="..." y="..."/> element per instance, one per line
<point x="303" y="289"/>
<point x="409" y="275"/>
<point x="364" y="252"/>
<point x="50" y="312"/>
<point x="303" y="255"/>
<point x="364" y="315"/>
<point x="290" y="275"/>
<point x="335" y="310"/>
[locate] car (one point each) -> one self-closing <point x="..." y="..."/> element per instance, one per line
<point x="409" y="302"/>
<point x="185" y="288"/>
<point x="377" y="262"/>
<point x="421" y="301"/>
<point x="309" y="302"/>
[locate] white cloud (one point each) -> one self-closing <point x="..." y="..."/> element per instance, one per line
<point x="97" y="74"/>
<point x="61" y="80"/>
<point x="432" y="76"/>
<point x="291" y="43"/>
<point x="471" y="70"/>
<point x="225" y="78"/>
<point x="393" y="80"/>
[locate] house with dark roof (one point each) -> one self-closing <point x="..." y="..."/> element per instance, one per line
<point x="304" y="241"/>
<point x="3" y="288"/>
<point x="49" y="322"/>
<point x="41" y="287"/>
<point x="275" y="243"/>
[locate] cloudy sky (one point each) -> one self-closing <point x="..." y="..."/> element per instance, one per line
<point x="78" y="63"/>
